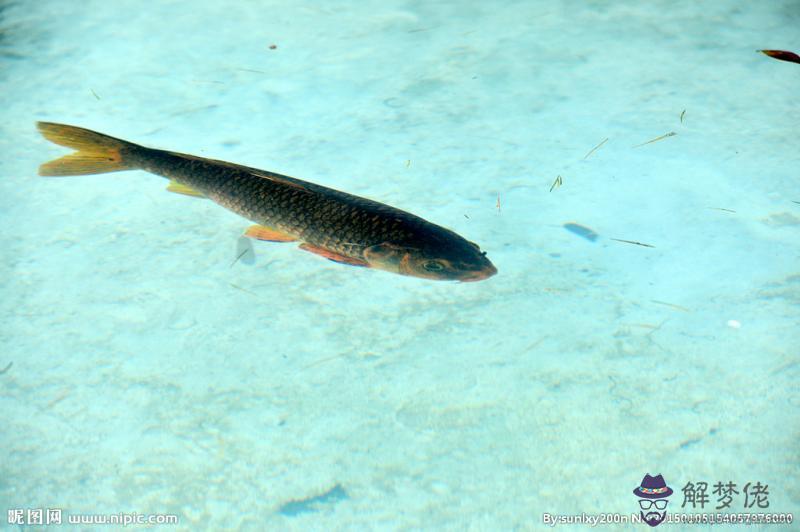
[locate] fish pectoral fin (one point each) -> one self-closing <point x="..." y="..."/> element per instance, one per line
<point x="332" y="255"/>
<point x="261" y="232"/>
<point x="178" y="188"/>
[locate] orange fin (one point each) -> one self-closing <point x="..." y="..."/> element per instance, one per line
<point x="96" y="153"/>
<point x="178" y="188"/>
<point x="261" y="232"/>
<point x="332" y="255"/>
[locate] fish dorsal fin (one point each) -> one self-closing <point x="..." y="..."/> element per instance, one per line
<point x="277" y="178"/>
<point x="282" y="179"/>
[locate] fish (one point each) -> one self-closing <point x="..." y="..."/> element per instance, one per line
<point x="581" y="230"/>
<point x="342" y="227"/>
<point x="782" y="55"/>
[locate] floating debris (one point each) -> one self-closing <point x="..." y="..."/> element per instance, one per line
<point x="5" y="369"/>
<point x="94" y="94"/>
<point x="595" y="149"/>
<point x="245" y="290"/>
<point x="63" y="394"/>
<point x="689" y="442"/>
<point x="662" y="137"/>
<point x="251" y="70"/>
<point x="643" y="326"/>
<point x="311" y="504"/>
<point x="581" y="231"/>
<point x="498" y="203"/>
<point x="634" y="242"/>
<point x="273" y="46"/>
<point x="557" y="183"/>
<point x="682" y="115"/>
<point x="721" y="209"/>
<point x="693" y="441"/>
<point x="326" y="359"/>
<point x="782" y="55"/>
<point x="671" y="305"/>
<point x="192" y="110"/>
<point x="408" y="163"/>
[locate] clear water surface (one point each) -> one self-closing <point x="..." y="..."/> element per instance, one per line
<point x="151" y="373"/>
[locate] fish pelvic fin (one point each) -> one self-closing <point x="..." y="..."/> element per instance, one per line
<point x="261" y="232"/>
<point x="95" y="153"/>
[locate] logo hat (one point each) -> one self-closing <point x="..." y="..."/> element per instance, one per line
<point x="653" y="488"/>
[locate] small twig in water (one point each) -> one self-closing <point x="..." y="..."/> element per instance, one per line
<point x="595" y="149"/>
<point x="677" y="307"/>
<point x="243" y="289"/>
<point x="662" y="137"/>
<point x="242" y="254"/>
<point x="557" y="183"/>
<point x="633" y="242"/>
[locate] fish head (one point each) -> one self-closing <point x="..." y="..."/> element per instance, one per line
<point x="464" y="263"/>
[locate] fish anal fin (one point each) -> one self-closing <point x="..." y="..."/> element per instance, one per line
<point x="332" y="255"/>
<point x="261" y="232"/>
<point x="179" y="188"/>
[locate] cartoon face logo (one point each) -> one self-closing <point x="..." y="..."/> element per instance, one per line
<point x="653" y="494"/>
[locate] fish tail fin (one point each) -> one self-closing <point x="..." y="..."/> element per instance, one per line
<point x="96" y="153"/>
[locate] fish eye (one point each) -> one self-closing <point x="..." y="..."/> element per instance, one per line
<point x="433" y="266"/>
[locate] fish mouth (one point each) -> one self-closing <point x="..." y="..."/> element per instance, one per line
<point x="479" y="275"/>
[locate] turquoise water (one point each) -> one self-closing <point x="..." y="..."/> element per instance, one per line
<point x="150" y="372"/>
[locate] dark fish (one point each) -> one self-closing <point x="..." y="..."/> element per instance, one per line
<point x="339" y="226"/>
<point x="782" y="55"/>
<point x="581" y="230"/>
